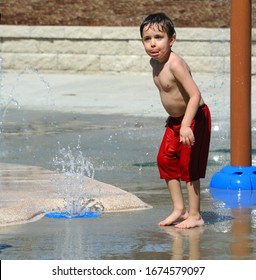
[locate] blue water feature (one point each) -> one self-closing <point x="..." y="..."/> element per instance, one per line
<point x="235" y="178"/>
<point x="235" y="186"/>
<point x="67" y="215"/>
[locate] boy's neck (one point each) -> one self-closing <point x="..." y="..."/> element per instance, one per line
<point x="166" y="58"/>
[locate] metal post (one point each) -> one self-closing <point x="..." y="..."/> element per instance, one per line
<point x="240" y="175"/>
<point x="240" y="82"/>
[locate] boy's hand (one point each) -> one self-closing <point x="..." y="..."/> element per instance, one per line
<point x="187" y="136"/>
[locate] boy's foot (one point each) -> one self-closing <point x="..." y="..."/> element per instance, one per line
<point x="191" y="222"/>
<point x="174" y="217"/>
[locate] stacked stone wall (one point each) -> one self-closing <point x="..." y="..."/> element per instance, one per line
<point x="109" y="49"/>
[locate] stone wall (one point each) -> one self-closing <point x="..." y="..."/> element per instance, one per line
<point x="109" y="49"/>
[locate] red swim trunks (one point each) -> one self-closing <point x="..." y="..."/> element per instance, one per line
<point x="176" y="161"/>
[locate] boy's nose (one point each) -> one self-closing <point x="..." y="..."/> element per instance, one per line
<point x="152" y="43"/>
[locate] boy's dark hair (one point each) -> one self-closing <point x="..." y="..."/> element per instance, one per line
<point x="162" y="21"/>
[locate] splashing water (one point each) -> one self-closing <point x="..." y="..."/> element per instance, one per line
<point x="74" y="167"/>
<point x="10" y="101"/>
<point x="1" y="74"/>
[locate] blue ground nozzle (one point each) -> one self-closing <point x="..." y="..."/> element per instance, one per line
<point x="67" y="215"/>
<point x="235" y="186"/>
<point x="235" y="178"/>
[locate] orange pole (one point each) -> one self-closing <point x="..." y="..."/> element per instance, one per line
<point x="240" y="27"/>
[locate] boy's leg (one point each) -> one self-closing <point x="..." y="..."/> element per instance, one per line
<point x="179" y="212"/>
<point x="194" y="218"/>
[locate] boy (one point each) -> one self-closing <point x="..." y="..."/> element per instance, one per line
<point x="184" y="149"/>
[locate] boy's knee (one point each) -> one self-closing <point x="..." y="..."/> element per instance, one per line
<point x="162" y="161"/>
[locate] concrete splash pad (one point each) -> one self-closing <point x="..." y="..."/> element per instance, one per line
<point x="28" y="192"/>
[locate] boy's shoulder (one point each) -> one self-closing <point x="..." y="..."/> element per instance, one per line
<point x="178" y="61"/>
<point x="175" y="58"/>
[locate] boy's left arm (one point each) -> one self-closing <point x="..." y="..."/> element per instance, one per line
<point x="182" y="74"/>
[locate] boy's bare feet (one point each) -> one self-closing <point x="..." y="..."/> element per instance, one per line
<point x="191" y="222"/>
<point x="175" y="216"/>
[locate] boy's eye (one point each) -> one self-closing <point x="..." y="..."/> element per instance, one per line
<point x="146" y="39"/>
<point x="158" y="37"/>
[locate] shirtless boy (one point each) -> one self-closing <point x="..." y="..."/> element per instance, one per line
<point x="184" y="149"/>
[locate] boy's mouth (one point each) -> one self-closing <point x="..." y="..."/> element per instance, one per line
<point x="154" y="52"/>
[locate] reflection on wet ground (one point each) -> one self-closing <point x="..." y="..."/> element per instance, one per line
<point x="123" y="151"/>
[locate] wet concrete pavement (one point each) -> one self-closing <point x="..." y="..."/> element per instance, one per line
<point x="120" y="121"/>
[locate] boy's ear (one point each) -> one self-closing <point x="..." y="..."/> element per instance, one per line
<point x="172" y="40"/>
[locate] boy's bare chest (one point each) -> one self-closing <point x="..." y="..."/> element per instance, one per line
<point x="171" y="97"/>
<point x="165" y="84"/>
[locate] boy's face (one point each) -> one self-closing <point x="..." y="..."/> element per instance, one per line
<point x="156" y="42"/>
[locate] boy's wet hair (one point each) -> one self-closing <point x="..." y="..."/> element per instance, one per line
<point x="161" y="20"/>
